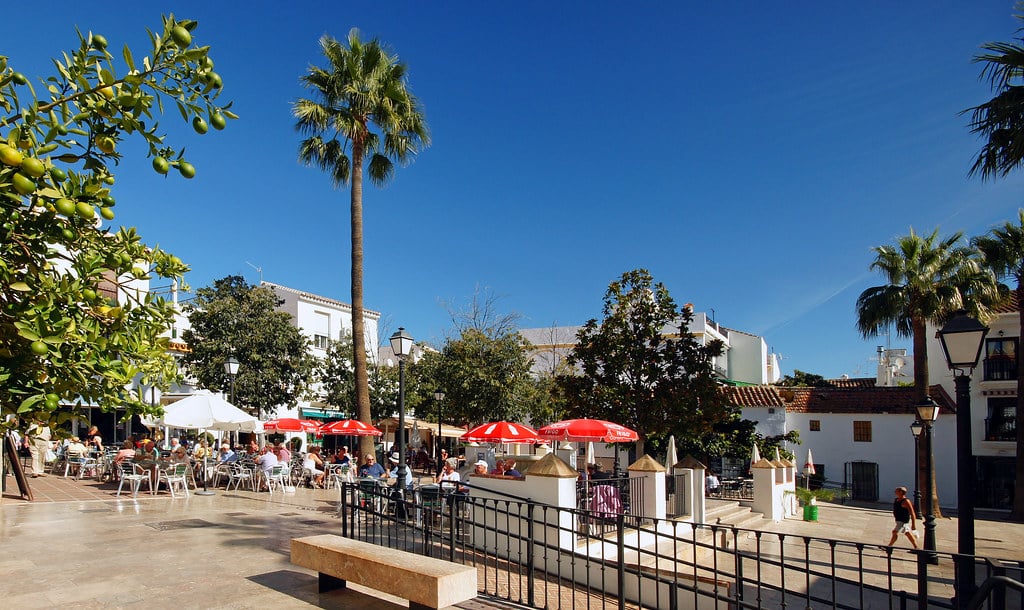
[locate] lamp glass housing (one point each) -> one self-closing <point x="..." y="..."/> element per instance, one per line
<point x="927" y="411"/>
<point x="916" y="428"/>
<point x="962" y="339"/>
<point x="231" y="366"/>
<point x="401" y="343"/>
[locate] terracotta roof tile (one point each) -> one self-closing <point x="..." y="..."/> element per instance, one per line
<point x="754" y="396"/>
<point x="854" y="382"/>
<point x="1009" y="305"/>
<point x="862" y="400"/>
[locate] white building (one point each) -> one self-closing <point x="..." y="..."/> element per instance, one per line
<point x="746" y="358"/>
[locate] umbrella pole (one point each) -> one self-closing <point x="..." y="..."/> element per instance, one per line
<point x="206" y="491"/>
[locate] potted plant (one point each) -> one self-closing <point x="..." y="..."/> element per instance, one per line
<point x="809" y="499"/>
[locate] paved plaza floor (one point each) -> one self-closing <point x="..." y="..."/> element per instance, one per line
<point x="79" y="544"/>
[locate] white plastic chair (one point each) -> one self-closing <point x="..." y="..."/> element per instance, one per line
<point x="134" y="475"/>
<point x="240" y="475"/>
<point x="175" y="476"/>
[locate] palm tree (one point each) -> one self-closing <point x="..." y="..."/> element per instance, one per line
<point x="1003" y="249"/>
<point x="361" y="113"/>
<point x="1000" y="121"/>
<point x="926" y="280"/>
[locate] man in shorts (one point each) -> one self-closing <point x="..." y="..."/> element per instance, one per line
<point x="906" y="518"/>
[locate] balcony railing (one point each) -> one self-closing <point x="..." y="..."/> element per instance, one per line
<point x="1000" y="369"/>
<point x="1000" y="430"/>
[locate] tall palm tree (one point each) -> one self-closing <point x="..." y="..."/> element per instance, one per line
<point x="1003" y="249"/>
<point x="1000" y="121"/>
<point x="926" y="280"/>
<point x="361" y="112"/>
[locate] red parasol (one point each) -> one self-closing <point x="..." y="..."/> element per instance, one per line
<point x="500" y="432"/>
<point x="290" y="424"/>
<point x="349" y="427"/>
<point x="588" y="430"/>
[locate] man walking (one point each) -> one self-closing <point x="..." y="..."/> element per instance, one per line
<point x="906" y="518"/>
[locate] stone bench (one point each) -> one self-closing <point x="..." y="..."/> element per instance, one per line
<point x="426" y="582"/>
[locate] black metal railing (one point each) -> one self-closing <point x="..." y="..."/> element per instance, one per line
<point x="548" y="557"/>
<point x="1000" y="369"/>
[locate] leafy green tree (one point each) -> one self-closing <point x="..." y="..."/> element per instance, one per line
<point x="76" y="322"/>
<point x="233" y="318"/>
<point x="361" y="113"/>
<point x="630" y="371"/>
<point x="1003" y="249"/>
<point x="926" y="281"/>
<point x="802" y="379"/>
<point x="1000" y="121"/>
<point x="336" y="376"/>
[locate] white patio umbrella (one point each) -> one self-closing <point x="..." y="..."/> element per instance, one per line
<point x="755" y="456"/>
<point x="670" y="456"/>
<point x="208" y="411"/>
<point x="415" y="440"/>
<point x="809" y="464"/>
<point x="590" y="452"/>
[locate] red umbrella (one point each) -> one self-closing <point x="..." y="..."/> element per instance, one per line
<point x="290" y="424"/>
<point x="588" y="430"/>
<point x="349" y="427"/>
<point x="500" y="432"/>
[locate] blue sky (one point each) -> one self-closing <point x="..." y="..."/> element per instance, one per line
<point x="749" y="155"/>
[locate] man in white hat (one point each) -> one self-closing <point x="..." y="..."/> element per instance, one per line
<point x="393" y="472"/>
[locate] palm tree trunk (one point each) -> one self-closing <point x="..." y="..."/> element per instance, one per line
<point x="920" y="393"/>
<point x="1017" y="514"/>
<point x="358" y="330"/>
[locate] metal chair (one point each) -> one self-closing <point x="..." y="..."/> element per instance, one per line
<point x="241" y="475"/>
<point x="276" y="478"/>
<point x="174" y="476"/>
<point x="134" y="475"/>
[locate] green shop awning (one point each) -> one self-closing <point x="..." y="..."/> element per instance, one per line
<point x="323" y="414"/>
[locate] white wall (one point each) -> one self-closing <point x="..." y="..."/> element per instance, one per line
<point x="891" y="447"/>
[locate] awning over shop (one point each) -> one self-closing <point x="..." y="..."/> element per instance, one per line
<point x="323" y="413"/>
<point x="425" y="427"/>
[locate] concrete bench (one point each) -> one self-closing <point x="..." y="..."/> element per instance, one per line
<point x="426" y="582"/>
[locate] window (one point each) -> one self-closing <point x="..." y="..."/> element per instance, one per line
<point x="1001" y="359"/>
<point x="321" y="341"/>
<point x="862" y="431"/>
<point x="815" y="425"/>
<point x="1001" y="423"/>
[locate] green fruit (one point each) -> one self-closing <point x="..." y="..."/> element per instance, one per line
<point x="161" y="165"/>
<point x="200" y="125"/>
<point x="67" y="233"/>
<point x="105" y="143"/>
<point x="218" y="121"/>
<point x="181" y="36"/>
<point x="89" y="294"/>
<point x="213" y="80"/>
<point x="187" y="170"/>
<point x="65" y="206"/>
<point x="206" y="63"/>
<point x="99" y="42"/>
<point x="108" y="179"/>
<point x="85" y="210"/>
<point x="109" y="201"/>
<point x="10" y="156"/>
<point x="39" y="348"/>
<point x="52" y="401"/>
<point x="19" y="79"/>
<point x="107" y="213"/>
<point x="33" y="167"/>
<point x="62" y="130"/>
<point x="58" y="174"/>
<point x="23" y="184"/>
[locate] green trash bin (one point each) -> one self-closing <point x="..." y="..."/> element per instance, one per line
<point x="810" y="512"/>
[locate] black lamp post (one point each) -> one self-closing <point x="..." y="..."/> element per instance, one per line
<point x="401" y="345"/>
<point x="915" y="429"/>
<point x="231" y="368"/>
<point x="962" y="339"/>
<point x="438" y="397"/>
<point x="928" y="412"/>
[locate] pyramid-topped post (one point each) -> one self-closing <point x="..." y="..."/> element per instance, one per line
<point x="653" y="475"/>
<point x="690" y="495"/>
<point x="551" y="480"/>
<point x="768" y="496"/>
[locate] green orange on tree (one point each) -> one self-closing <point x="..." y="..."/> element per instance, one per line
<point x="200" y="125"/>
<point x="85" y="210"/>
<point x="107" y="213"/>
<point x="39" y="348"/>
<point x="65" y="206"/>
<point x="33" y="167"/>
<point x="218" y="121"/>
<point x="23" y="184"/>
<point x="186" y="169"/>
<point x="181" y="36"/>
<point x="161" y="165"/>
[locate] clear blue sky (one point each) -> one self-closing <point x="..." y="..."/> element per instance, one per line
<point x="749" y="155"/>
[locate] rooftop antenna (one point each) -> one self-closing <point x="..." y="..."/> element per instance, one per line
<point x="259" y="270"/>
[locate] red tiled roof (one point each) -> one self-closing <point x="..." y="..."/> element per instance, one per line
<point x="853" y="382"/>
<point x="1009" y="305"/>
<point x="854" y="399"/>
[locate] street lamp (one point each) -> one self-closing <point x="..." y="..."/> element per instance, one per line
<point x="401" y="345"/>
<point x="438" y="397"/>
<point x="927" y="413"/>
<point x="915" y="429"/>
<point x="231" y="368"/>
<point x="962" y="339"/>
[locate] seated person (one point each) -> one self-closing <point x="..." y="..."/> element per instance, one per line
<point x="202" y="450"/>
<point x="315" y="464"/>
<point x="179" y="455"/>
<point x="510" y="468"/>
<point x="266" y="461"/>
<point x="75" y="448"/>
<point x="499" y="468"/>
<point x="227" y="455"/>
<point x="372" y="469"/>
<point x="126" y="452"/>
<point x="342" y="456"/>
<point x="283" y="455"/>
<point x="147" y="452"/>
<point x="393" y="474"/>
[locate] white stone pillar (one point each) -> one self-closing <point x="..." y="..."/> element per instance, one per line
<point x="695" y="490"/>
<point x="765" y="495"/>
<point x="653" y="475"/>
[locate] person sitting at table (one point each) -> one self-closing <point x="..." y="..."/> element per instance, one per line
<point x="393" y="474"/>
<point x="179" y="455"/>
<point x="449" y="475"/>
<point x="283" y="455"/>
<point x="126" y="452"/>
<point x="252" y="448"/>
<point x="315" y="465"/>
<point x="227" y="456"/>
<point x="510" y="469"/>
<point x="202" y="450"/>
<point x="371" y="468"/>
<point x="147" y="452"/>
<point x="75" y="448"/>
<point x="499" y="468"/>
<point x="265" y="462"/>
<point x="342" y="456"/>
<point x="93" y="440"/>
